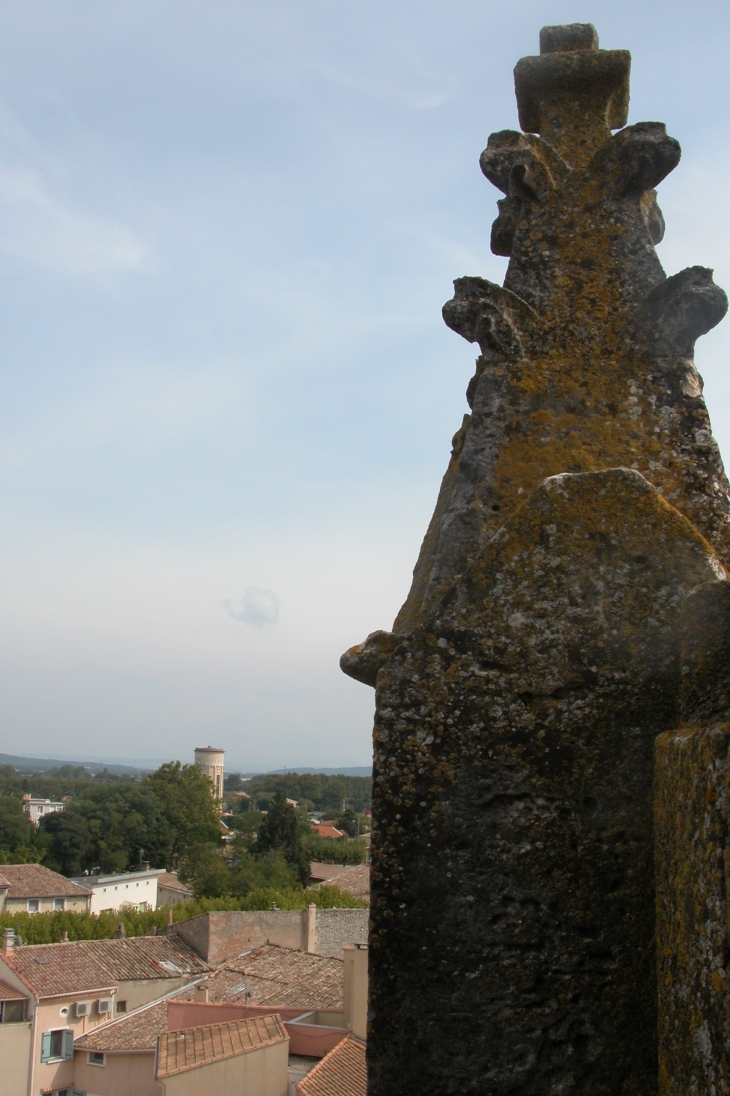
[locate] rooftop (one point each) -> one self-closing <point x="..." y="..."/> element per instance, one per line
<point x="81" y="965"/>
<point x="342" y="1072"/>
<point x="181" y="1050"/>
<point x="280" y="976"/>
<point x="35" y="881"/>
<point x="351" y="880"/>
<point x="118" y="877"/>
<point x="171" y="881"/>
<point x="10" y="993"/>
<point x="137" y="1031"/>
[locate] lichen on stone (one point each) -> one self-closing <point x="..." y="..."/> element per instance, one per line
<point x="561" y="617"/>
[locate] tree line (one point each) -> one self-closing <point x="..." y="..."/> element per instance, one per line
<point x="170" y="820"/>
<point x="312" y="791"/>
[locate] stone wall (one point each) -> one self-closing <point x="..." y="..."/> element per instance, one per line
<point x="337" y="928"/>
<point x="692" y="850"/>
<point x="216" y="936"/>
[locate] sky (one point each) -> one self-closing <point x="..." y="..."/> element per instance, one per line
<point x="226" y="392"/>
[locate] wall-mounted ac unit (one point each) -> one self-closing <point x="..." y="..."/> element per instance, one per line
<point x="82" y="1008"/>
<point x="104" y="1004"/>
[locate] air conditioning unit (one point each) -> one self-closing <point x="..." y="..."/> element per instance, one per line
<point x="83" y="1008"/>
<point x="104" y="1004"/>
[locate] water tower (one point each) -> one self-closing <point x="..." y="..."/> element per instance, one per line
<point x="212" y="761"/>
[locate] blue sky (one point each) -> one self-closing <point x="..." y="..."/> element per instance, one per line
<point x="226" y="391"/>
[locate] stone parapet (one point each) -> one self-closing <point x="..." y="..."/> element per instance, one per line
<point x="692" y="811"/>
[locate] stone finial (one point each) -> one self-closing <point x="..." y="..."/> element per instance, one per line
<point x="568" y="38"/>
<point x="574" y="93"/>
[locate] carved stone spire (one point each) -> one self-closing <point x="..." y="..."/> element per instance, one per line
<point x="587" y="352"/>
<point x="546" y="636"/>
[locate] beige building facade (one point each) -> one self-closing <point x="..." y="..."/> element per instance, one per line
<point x="212" y="761"/>
<point x="31" y="888"/>
<point x="69" y="990"/>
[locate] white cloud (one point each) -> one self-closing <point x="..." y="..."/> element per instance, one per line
<point x="257" y="607"/>
<point x="37" y="228"/>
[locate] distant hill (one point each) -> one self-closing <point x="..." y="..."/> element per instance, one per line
<point x="43" y="764"/>
<point x="356" y="770"/>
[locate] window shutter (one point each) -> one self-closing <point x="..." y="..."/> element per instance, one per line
<point x="45" y="1046"/>
<point x="68" y="1044"/>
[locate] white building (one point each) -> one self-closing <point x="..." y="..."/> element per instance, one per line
<point x="111" y="892"/>
<point x="37" y="808"/>
<point x="212" y="761"/>
<point x="144" y="890"/>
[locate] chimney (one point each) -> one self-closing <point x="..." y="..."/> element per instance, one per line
<point x="8" y="942"/>
<point x="120" y="933"/>
<point x="311" y="928"/>
<point x="201" y="994"/>
<point x="145" y="865"/>
<point x="168" y="930"/>
<point x="356" y="989"/>
<point x="64" y="937"/>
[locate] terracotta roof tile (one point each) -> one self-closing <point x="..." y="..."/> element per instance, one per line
<point x="280" y="976"/>
<point x="353" y="880"/>
<point x="9" y="993"/>
<point x="181" y="1050"/>
<point x="50" y="969"/>
<point x="137" y="1031"/>
<point x="342" y="1072"/>
<point x="171" y="881"/>
<point x="35" y="881"/>
<point x="328" y="830"/>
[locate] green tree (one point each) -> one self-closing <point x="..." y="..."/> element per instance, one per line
<point x="108" y="826"/>
<point x="348" y="822"/>
<point x="208" y="872"/>
<point x="69" y="842"/>
<point x="269" y="871"/>
<point x="279" y="832"/>
<point x="16" y="828"/>
<point x="191" y="812"/>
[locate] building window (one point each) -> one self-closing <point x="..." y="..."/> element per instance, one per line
<point x="143" y="907"/>
<point x="95" y="1058"/>
<point x="59" y="903"/>
<point x="57" y="1045"/>
<point x="12" y="1012"/>
<point x="34" y="904"/>
<point x="121" y="1006"/>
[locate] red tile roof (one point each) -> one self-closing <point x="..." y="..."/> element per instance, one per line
<point x="342" y="1072"/>
<point x="81" y="965"/>
<point x="328" y="830"/>
<point x="35" y="881"/>
<point x="353" y="880"/>
<point x="137" y="1031"/>
<point x="9" y="993"/>
<point x="280" y="976"/>
<point x="181" y="1050"/>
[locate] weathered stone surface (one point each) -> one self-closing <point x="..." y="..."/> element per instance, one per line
<point x="512" y="868"/>
<point x="692" y="854"/>
<point x="586" y="353"/>
<point x="692" y="851"/>
<point x="560" y="618"/>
